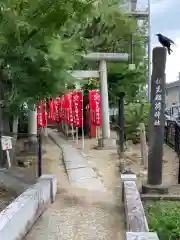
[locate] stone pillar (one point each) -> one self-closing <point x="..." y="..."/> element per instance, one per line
<point x="32" y="129"/>
<point x="104" y="99"/>
<point x="157" y="122"/>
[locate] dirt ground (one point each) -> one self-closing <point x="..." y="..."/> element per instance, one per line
<point x="103" y="205"/>
<point x="105" y="163"/>
<point x="108" y="174"/>
<point x="80" y="214"/>
<point x="6" y="197"/>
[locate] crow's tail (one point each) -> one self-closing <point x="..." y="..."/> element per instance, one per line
<point x="169" y="50"/>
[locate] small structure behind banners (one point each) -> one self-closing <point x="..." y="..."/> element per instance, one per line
<point x="6" y="144"/>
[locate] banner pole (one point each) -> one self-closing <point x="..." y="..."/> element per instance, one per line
<point x="46" y="119"/>
<point x="96" y="133"/>
<point x="76" y="135"/>
<point x="82" y="124"/>
<point x="71" y="115"/>
<point x="72" y="131"/>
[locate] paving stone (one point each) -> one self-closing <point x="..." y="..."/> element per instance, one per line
<point x="74" y="158"/>
<point x="80" y="173"/>
<point x="90" y="184"/>
<point x="74" y="165"/>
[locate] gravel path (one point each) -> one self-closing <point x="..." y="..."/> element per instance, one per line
<point x="77" y="214"/>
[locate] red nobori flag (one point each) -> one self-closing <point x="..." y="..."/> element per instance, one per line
<point x="77" y="98"/>
<point x="41" y="121"/>
<point x="66" y="108"/>
<point x="69" y="110"/>
<point x="98" y="114"/>
<point x="95" y="107"/>
<point x="58" y="110"/>
<point x="52" y="110"/>
<point x="62" y="111"/>
<point x="92" y="105"/>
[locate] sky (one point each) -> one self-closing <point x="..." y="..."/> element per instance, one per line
<point x="165" y="19"/>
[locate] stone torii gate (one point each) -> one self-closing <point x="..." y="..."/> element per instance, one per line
<point x="101" y="73"/>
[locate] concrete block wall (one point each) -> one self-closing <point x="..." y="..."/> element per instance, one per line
<point x="136" y="222"/>
<point x="18" y="217"/>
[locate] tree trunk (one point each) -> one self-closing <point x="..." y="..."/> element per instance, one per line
<point x="4" y="118"/>
<point x="4" y="131"/>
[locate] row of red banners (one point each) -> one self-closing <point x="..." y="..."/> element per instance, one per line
<point x="69" y="109"/>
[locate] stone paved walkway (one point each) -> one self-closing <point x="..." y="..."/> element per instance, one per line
<point x="77" y="214"/>
<point x="79" y="171"/>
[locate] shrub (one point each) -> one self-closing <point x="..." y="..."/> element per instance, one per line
<point x="135" y="113"/>
<point x="164" y="218"/>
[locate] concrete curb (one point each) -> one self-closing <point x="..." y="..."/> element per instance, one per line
<point x="18" y="218"/>
<point x="136" y="222"/>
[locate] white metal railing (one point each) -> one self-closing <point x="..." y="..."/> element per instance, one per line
<point x="134" y="5"/>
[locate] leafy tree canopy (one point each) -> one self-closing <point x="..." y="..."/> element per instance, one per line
<point x="36" y="53"/>
<point x="42" y="40"/>
<point x="112" y="31"/>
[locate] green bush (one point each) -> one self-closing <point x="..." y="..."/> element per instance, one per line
<point x="164" y="218"/>
<point x="134" y="114"/>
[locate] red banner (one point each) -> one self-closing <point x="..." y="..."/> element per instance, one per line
<point x="41" y="121"/>
<point x="52" y="110"/>
<point x="92" y="105"/>
<point x="95" y="107"/>
<point x="77" y="98"/>
<point x="62" y="109"/>
<point x="69" y="110"/>
<point x="58" y="109"/>
<point x="66" y="108"/>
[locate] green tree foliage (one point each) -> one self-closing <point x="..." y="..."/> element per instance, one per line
<point x="136" y="113"/>
<point x="42" y="40"/>
<point x="124" y="80"/>
<point x="112" y="31"/>
<point x="39" y="44"/>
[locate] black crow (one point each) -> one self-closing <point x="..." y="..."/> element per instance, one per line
<point x="166" y="42"/>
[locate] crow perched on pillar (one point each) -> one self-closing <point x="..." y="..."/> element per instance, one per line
<point x="166" y="42"/>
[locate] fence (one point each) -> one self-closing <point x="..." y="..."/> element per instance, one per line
<point x="172" y="135"/>
<point x="172" y="138"/>
<point x="25" y="159"/>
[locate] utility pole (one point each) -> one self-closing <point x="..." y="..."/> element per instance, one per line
<point x="149" y="51"/>
<point x="179" y="89"/>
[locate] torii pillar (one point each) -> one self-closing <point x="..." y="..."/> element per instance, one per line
<point x="103" y="58"/>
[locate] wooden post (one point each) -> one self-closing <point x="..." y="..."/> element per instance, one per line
<point x="121" y="123"/>
<point x="144" y="152"/>
<point x="157" y="122"/>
